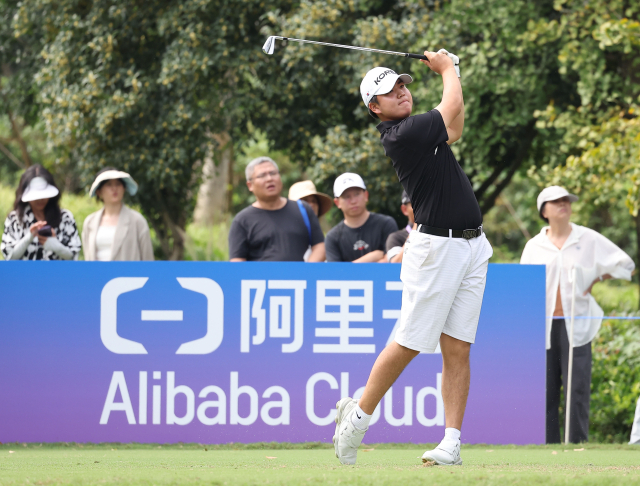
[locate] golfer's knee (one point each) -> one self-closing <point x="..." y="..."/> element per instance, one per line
<point x="454" y="349"/>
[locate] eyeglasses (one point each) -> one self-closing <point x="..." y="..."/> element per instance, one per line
<point x="264" y="175"/>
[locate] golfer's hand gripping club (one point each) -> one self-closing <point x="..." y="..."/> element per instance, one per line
<point x="439" y="65"/>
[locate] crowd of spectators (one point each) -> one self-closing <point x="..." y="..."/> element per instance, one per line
<point x="38" y="229"/>
<point x="275" y="228"/>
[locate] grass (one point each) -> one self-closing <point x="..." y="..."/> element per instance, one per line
<point x="312" y="464"/>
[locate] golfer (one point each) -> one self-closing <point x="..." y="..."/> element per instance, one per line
<point x="445" y="259"/>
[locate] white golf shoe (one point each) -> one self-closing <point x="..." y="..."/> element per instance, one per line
<point x="347" y="437"/>
<point x="446" y="454"/>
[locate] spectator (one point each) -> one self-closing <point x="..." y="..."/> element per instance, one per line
<point x="37" y="229"/>
<point x="306" y="191"/>
<point x="635" y="428"/>
<point x="273" y="228"/>
<point x="320" y="203"/>
<point x="362" y="235"/>
<point x="560" y="246"/>
<point x="116" y="232"/>
<point x="396" y="240"/>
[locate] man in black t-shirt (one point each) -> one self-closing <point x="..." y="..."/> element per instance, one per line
<point x="273" y="228"/>
<point x="396" y="240"/>
<point x="445" y="259"/>
<point x="362" y="235"/>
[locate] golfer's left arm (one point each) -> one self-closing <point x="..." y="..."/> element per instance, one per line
<point x="451" y="106"/>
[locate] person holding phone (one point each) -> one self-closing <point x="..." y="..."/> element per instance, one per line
<point x="36" y="228"/>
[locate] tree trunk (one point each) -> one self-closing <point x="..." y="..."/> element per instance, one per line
<point x="213" y="196"/>
<point x="16" y="130"/>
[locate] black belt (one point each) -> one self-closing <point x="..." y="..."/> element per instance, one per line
<point x="466" y="234"/>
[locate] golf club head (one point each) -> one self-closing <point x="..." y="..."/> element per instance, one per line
<point x="270" y="45"/>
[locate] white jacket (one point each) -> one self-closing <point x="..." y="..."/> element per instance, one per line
<point x="589" y="252"/>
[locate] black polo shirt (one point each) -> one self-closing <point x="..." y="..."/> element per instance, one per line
<point x="439" y="190"/>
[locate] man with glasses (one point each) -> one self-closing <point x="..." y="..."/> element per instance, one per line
<point x="273" y="228"/>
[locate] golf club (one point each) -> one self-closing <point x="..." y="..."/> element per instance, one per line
<point x="270" y="44"/>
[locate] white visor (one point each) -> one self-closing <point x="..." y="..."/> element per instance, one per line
<point x="39" y="188"/>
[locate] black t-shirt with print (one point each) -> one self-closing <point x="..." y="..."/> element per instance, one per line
<point x="344" y="244"/>
<point x="439" y="190"/>
<point x="276" y="236"/>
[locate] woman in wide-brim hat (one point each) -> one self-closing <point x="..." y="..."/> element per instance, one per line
<point x="36" y="228"/>
<point x="116" y="232"/>
<point x="306" y="190"/>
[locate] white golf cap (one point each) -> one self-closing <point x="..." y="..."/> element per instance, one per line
<point x="552" y="193"/>
<point x="39" y="188"/>
<point x="380" y="80"/>
<point x="346" y="181"/>
<point x="129" y="183"/>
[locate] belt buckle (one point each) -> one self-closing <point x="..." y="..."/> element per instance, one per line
<point x="469" y="234"/>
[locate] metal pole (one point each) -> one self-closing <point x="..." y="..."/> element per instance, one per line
<point x="567" y="391"/>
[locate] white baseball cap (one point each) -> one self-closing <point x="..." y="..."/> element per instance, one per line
<point x="39" y="188"/>
<point x="552" y="193"/>
<point x="346" y="181"/>
<point x="380" y="80"/>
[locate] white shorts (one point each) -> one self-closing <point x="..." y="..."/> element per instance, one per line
<point x="444" y="280"/>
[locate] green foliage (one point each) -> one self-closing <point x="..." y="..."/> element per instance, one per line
<point x="593" y="137"/>
<point x="142" y="86"/>
<point x="615" y="381"/>
<point x="207" y="243"/>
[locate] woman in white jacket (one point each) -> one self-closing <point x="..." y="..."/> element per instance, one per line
<point x="562" y="246"/>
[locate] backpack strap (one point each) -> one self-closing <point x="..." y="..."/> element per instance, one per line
<point x="305" y="217"/>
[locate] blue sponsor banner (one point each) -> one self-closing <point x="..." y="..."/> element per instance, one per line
<point x="224" y="352"/>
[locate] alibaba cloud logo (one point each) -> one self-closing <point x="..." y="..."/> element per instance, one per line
<point x="119" y="345"/>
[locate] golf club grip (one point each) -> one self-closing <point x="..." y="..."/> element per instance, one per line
<point x="418" y="56"/>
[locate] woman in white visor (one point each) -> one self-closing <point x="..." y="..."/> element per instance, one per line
<point x="561" y="246"/>
<point x="116" y="232"/>
<point x="37" y="229"/>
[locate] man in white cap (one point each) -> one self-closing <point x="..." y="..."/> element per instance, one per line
<point x="445" y="258"/>
<point x="561" y="246"/>
<point x="362" y="235"/>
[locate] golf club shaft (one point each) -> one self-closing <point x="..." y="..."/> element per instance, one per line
<point x="355" y="48"/>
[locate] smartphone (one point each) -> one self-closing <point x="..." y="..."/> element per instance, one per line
<point x="45" y="231"/>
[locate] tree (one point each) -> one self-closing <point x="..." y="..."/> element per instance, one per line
<point x="596" y="132"/>
<point x="142" y="86"/>
<point x="18" y="64"/>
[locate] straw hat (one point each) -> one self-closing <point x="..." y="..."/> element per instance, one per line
<point x="129" y="183"/>
<point x="308" y="188"/>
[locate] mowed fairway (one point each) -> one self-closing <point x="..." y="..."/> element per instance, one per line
<point x="315" y="464"/>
